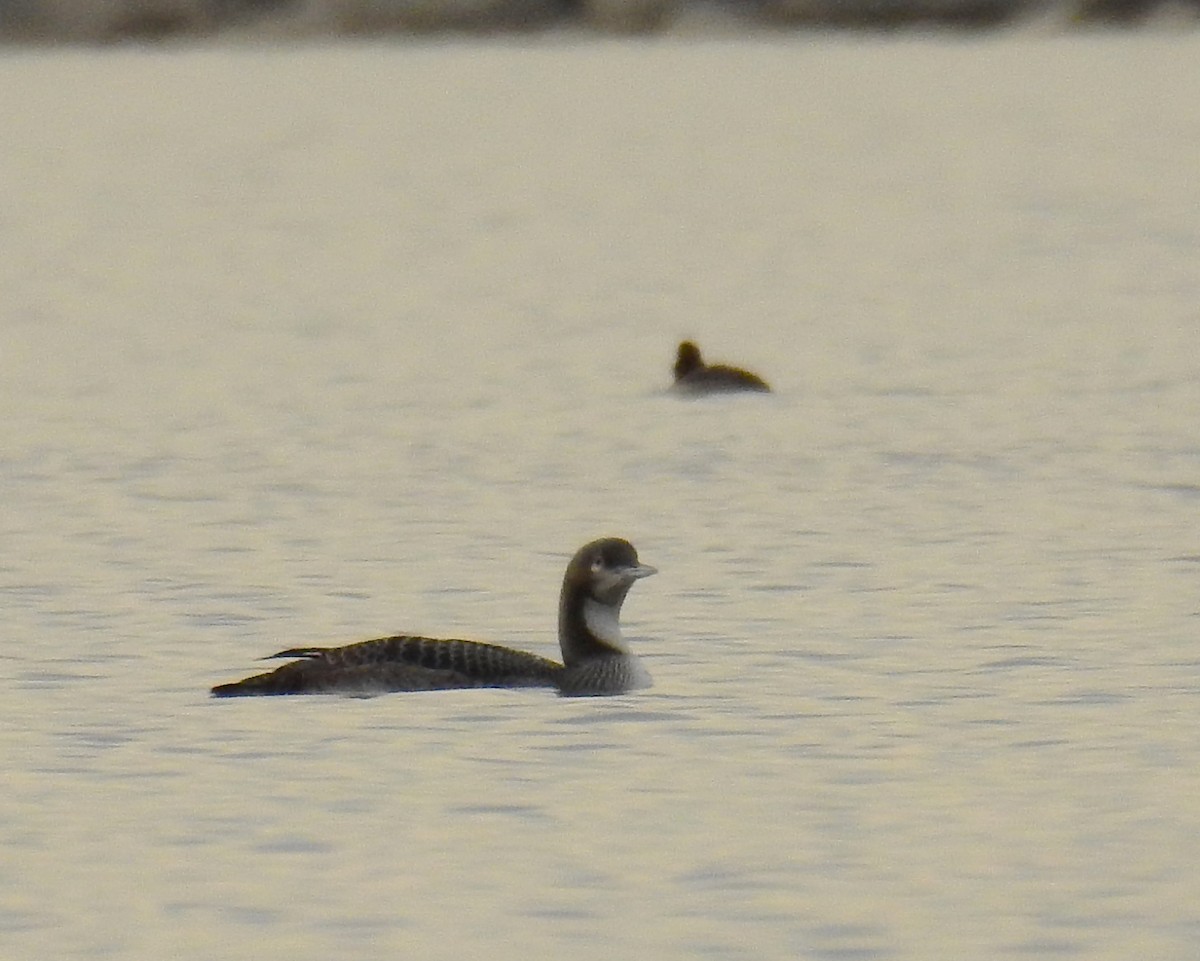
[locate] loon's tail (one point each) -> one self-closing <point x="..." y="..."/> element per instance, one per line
<point x="281" y="681"/>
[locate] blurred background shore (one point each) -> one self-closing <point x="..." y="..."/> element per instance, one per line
<point x="99" y="21"/>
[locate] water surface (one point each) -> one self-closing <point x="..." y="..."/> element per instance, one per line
<point x="305" y="346"/>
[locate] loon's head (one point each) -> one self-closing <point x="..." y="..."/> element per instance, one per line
<point x="607" y="569"/>
<point x="594" y="587"/>
<point x="687" y="360"/>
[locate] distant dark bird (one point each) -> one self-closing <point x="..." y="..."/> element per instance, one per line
<point x="695" y="378"/>
<point x="596" y="659"/>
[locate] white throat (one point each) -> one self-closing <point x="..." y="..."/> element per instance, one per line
<point x="604" y="623"/>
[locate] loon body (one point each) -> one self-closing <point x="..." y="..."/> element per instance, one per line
<point x="696" y="378"/>
<point x="596" y="659"/>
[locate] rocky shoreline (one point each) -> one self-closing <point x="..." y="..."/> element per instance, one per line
<point x="92" y="21"/>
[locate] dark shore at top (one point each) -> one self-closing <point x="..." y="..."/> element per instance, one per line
<point x="99" y="21"/>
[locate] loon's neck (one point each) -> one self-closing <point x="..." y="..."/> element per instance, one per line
<point x="589" y="629"/>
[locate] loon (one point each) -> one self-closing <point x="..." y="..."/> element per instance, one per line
<point x="696" y="378"/>
<point x="596" y="659"/>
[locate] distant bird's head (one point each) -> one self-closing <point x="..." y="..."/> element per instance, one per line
<point x="687" y="360"/>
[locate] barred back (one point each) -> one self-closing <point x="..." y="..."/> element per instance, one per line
<point x="472" y="658"/>
<point x="400" y="663"/>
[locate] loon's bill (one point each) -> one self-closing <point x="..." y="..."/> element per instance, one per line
<point x="596" y="659"/>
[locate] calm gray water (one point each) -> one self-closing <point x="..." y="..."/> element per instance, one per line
<point x="310" y="345"/>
